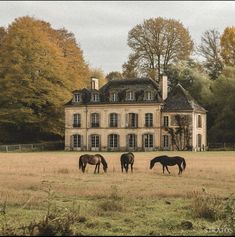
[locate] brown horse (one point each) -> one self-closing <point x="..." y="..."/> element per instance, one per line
<point x="126" y="159"/>
<point x="96" y="160"/>
<point x="166" y="160"/>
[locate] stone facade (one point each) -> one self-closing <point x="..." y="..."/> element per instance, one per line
<point x="130" y="115"/>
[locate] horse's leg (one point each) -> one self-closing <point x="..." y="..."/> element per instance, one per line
<point x="127" y="167"/>
<point x="98" y="168"/>
<point x="122" y="167"/>
<point x="167" y="169"/>
<point x="163" y="168"/>
<point x="95" y="168"/>
<point x="132" y="167"/>
<point x="180" y="169"/>
<point x="83" y="168"/>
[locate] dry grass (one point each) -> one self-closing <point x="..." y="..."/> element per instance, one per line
<point x="23" y="176"/>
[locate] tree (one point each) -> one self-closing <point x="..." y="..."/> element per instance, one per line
<point x="36" y="79"/>
<point x="210" y="50"/>
<point x="113" y="75"/>
<point x="157" y="43"/>
<point x="228" y="46"/>
<point x="130" y="68"/>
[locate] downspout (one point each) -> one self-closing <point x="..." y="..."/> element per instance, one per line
<point x="86" y="129"/>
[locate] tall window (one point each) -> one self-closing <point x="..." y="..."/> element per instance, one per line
<point x="113" y="97"/>
<point x="132" y="120"/>
<point x="148" y="141"/>
<point x="113" y="122"/>
<point x="199" y="121"/>
<point x="95" y="141"/>
<point x="77" y="97"/>
<point x="95" y="120"/>
<point x="165" y="121"/>
<point x="148" y="120"/>
<point x="148" y="95"/>
<point x="199" y="140"/>
<point x="130" y="95"/>
<point x="165" y="141"/>
<point x="131" y="141"/>
<point x="95" y="97"/>
<point x="113" y="141"/>
<point x="77" y="141"/>
<point x="76" y="120"/>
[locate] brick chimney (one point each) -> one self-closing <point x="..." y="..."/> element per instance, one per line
<point x="94" y="83"/>
<point x="164" y="86"/>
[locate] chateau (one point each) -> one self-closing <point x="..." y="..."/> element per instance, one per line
<point x="134" y="115"/>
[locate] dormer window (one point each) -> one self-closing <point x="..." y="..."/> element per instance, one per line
<point x="148" y="95"/>
<point x="95" y="97"/>
<point x="113" y="97"/>
<point x="77" y="97"/>
<point x="130" y="95"/>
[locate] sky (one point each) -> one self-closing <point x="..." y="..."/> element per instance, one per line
<point x="101" y="27"/>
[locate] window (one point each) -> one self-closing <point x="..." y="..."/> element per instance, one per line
<point x="130" y="95"/>
<point x="165" y="141"/>
<point x="148" y="120"/>
<point x="95" y="97"/>
<point x="77" y="97"/>
<point x="199" y="140"/>
<point x="113" y="120"/>
<point x="76" y="141"/>
<point x="113" y="96"/>
<point x="199" y="121"/>
<point x="165" y="121"/>
<point x="148" y="95"/>
<point x="76" y="120"/>
<point x="95" y="141"/>
<point x="95" y="120"/>
<point x="113" y="141"/>
<point x="132" y="120"/>
<point x="148" y="141"/>
<point x="131" y="141"/>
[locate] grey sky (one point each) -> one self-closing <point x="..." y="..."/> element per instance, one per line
<point x="101" y="28"/>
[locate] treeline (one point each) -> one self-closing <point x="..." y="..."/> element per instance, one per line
<point x="41" y="66"/>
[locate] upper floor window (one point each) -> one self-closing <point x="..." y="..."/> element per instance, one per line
<point x="113" y="97"/>
<point x="113" y="122"/>
<point x="148" y="95"/>
<point x="77" y="97"/>
<point x="95" y="120"/>
<point x="76" y="120"/>
<point x="130" y="95"/>
<point x="149" y="120"/>
<point x="165" y="121"/>
<point x="95" y="97"/>
<point x="132" y="120"/>
<point x="199" y="121"/>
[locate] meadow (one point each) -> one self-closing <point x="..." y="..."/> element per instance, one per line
<point x="45" y="191"/>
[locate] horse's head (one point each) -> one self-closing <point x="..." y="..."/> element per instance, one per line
<point x="105" y="168"/>
<point x="152" y="163"/>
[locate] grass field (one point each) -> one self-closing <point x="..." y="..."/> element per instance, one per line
<point x="35" y="185"/>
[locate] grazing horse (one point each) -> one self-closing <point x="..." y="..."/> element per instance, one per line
<point x="166" y="160"/>
<point x="92" y="160"/>
<point x="126" y="159"/>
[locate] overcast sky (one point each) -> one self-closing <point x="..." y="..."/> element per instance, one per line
<point x="101" y="28"/>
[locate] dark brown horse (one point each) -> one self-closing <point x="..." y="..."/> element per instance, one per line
<point x="166" y="160"/>
<point x="96" y="160"/>
<point x="126" y="159"/>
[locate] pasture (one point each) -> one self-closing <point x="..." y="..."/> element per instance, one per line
<point x="145" y="202"/>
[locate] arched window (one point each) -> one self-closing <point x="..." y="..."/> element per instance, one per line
<point x="132" y="120"/>
<point x="148" y="140"/>
<point x="148" y="120"/>
<point x="199" y="121"/>
<point x="95" y="141"/>
<point x="113" y="140"/>
<point x="131" y="141"/>
<point x="76" y="141"/>
<point x="76" y="120"/>
<point x="95" y="120"/>
<point x="113" y="120"/>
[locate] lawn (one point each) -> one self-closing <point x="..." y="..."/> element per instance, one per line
<point x="45" y="184"/>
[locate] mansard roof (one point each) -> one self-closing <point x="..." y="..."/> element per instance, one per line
<point x="180" y="100"/>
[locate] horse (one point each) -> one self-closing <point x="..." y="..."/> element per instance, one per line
<point x="166" y="160"/>
<point x="92" y="160"/>
<point x="126" y="159"/>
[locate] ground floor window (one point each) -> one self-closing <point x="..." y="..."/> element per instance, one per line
<point x="131" y="141"/>
<point x="113" y="141"/>
<point x="199" y="140"/>
<point x="165" y="141"/>
<point x="148" y="141"/>
<point x="95" y="141"/>
<point x="77" y="141"/>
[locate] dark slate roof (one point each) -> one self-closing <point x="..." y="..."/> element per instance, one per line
<point x="180" y="100"/>
<point x="121" y="86"/>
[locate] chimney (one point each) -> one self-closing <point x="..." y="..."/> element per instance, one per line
<point x="164" y="86"/>
<point x="94" y="83"/>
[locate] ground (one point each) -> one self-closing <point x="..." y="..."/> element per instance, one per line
<point x="143" y="203"/>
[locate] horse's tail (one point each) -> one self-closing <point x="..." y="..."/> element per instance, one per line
<point x="184" y="164"/>
<point x="80" y="162"/>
